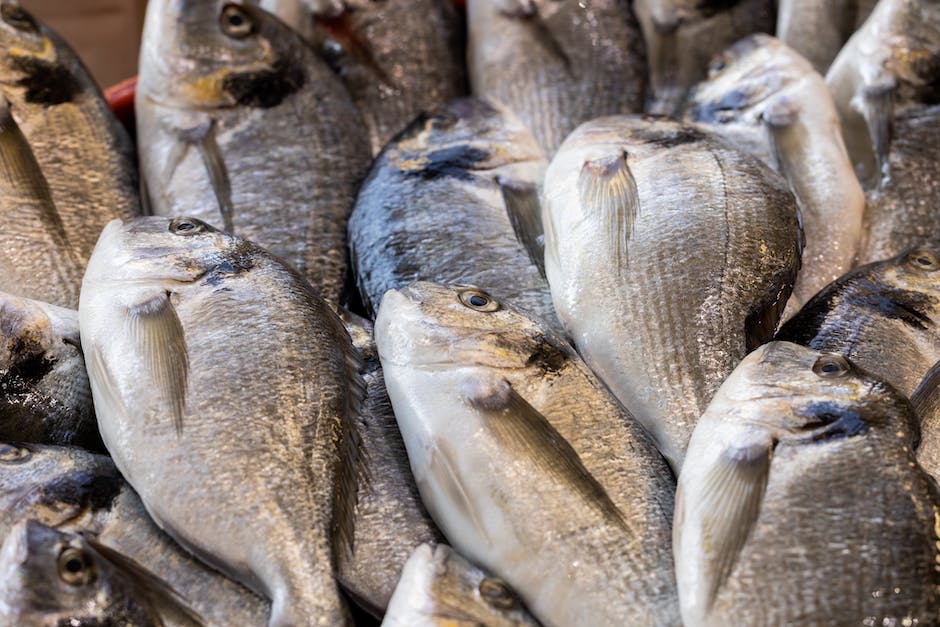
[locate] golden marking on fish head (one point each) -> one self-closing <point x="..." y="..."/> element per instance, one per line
<point x="46" y="53"/>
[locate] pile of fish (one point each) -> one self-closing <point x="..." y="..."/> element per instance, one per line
<point x="558" y="312"/>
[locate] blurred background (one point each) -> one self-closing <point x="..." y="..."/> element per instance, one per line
<point x="105" y="33"/>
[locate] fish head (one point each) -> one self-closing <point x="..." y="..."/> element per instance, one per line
<point x="436" y="326"/>
<point x="58" y="486"/>
<point x="164" y="251"/>
<point x="209" y="54"/>
<point x="905" y="287"/>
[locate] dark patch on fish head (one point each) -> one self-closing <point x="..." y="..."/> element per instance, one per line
<point x="664" y="137"/>
<point x="548" y="357"/>
<point x="828" y="420"/>
<point x="46" y="83"/>
<point x="452" y="161"/>
<point x="263" y="89"/>
<point x="240" y="258"/>
<point x="723" y="110"/>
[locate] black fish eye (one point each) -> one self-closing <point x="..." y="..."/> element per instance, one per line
<point x="17" y="17"/>
<point x="478" y="300"/>
<point x="75" y="567"/>
<point x="831" y="366"/>
<point x="923" y="259"/>
<point x="10" y="454"/>
<point x="185" y="226"/>
<point x="235" y="22"/>
<point x="497" y="593"/>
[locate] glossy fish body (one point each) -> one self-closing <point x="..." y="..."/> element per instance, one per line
<point x="817" y="29"/>
<point x="528" y="465"/>
<point x="390" y="518"/>
<point x="242" y="125"/>
<point x="683" y="35"/>
<point x="438" y="588"/>
<point x="167" y="307"/>
<point x="438" y="206"/>
<point x="45" y="395"/>
<point x="670" y="255"/>
<point x="777" y="521"/>
<point x="556" y="64"/>
<point x="83" y="151"/>
<point x="396" y="58"/>
<point x="76" y="491"/>
<point x="766" y="99"/>
<point x="883" y="316"/>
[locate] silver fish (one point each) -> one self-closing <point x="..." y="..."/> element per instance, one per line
<point x="766" y="99"/>
<point x="528" y="465"/>
<point x="241" y="125"/>
<point x="800" y="501"/>
<point x="556" y="63"/>
<point x="167" y="305"/>
<point x="670" y="255"/>
<point x="439" y="588"/>
<point x="817" y="29"/>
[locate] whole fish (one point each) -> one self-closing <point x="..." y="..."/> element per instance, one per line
<point x="683" y="35"/>
<point x="817" y="29"/>
<point x="242" y="125"/>
<point x="556" y="63"/>
<point x="528" y="465"/>
<point x="801" y="503"/>
<point x="76" y="491"/>
<point x="670" y="255"/>
<point x="453" y="200"/>
<point x="44" y="393"/>
<point x="168" y="306"/>
<point x="438" y="588"/>
<point x="397" y="58"/>
<point x="37" y="260"/>
<point x="49" y="578"/>
<point x="390" y="518"/>
<point x="83" y="151"/>
<point x="766" y="99"/>
<point x="884" y="316"/>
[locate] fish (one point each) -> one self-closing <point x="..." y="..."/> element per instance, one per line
<point x="480" y="162"/>
<point x="801" y="501"/>
<point x="528" y="465"/>
<point x="83" y="151"/>
<point x="37" y="259"/>
<point x="44" y="391"/>
<point x="670" y="255"/>
<point x="50" y="578"/>
<point x="817" y="29"/>
<point x="79" y="492"/>
<point x="240" y="124"/>
<point x="438" y="587"/>
<point x="884" y="316"/>
<point x="555" y="63"/>
<point x="766" y="99"/>
<point x="390" y="519"/>
<point x="168" y="306"/>
<point x="396" y="58"/>
<point x="682" y="36"/>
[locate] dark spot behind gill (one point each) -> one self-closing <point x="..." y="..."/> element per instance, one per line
<point x="453" y="161"/>
<point x="46" y="83"/>
<point x="547" y="358"/>
<point x="678" y="137"/>
<point x="265" y="88"/>
<point x="826" y="420"/>
<point x="94" y="489"/>
<point x="721" y="111"/>
<point x="240" y="259"/>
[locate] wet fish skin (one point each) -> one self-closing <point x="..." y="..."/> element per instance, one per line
<point x="479" y="385"/>
<point x="779" y="482"/>
<point x="83" y="151"/>
<point x="670" y="255"/>
<point x="817" y="29"/>
<point x="397" y="58"/>
<point x="439" y="587"/>
<point x="76" y="491"/>
<point x="766" y="99"/>
<point x="52" y="578"/>
<point x="44" y="393"/>
<point x="474" y="158"/>
<point x="249" y="131"/>
<point x="683" y="35"/>
<point x="166" y="307"/>
<point x="556" y="64"/>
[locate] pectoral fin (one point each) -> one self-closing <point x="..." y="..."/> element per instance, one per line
<point x="608" y="194"/>
<point x="524" y="210"/>
<point x="876" y="104"/>
<point x="442" y="467"/>
<point x="202" y="137"/>
<point x="927" y="395"/>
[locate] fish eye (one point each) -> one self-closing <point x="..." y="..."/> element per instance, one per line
<point x="17" y="17"/>
<point x="716" y="67"/>
<point x="75" y="567"/>
<point x="497" y="593"/>
<point x="235" y="22"/>
<point x="831" y="366"/>
<point x="185" y="226"/>
<point x="923" y="259"/>
<point x="478" y="300"/>
<point x="10" y="454"/>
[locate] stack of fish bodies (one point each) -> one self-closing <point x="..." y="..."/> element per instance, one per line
<point x="514" y="357"/>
